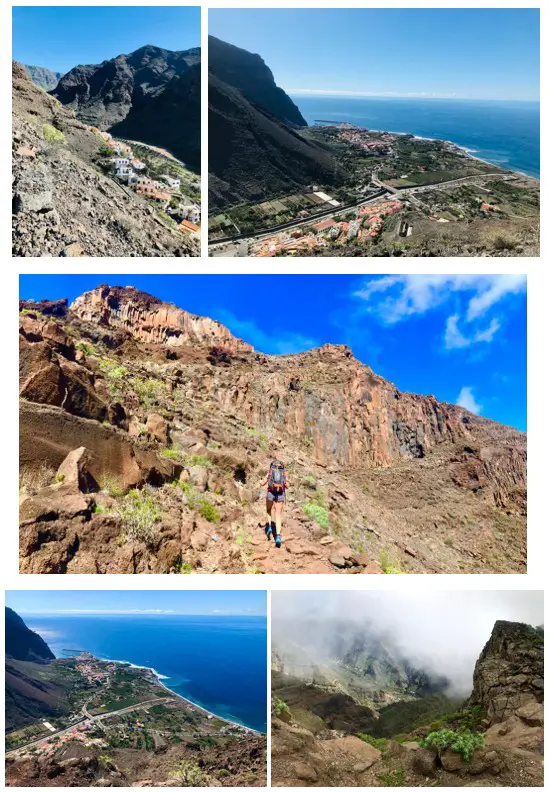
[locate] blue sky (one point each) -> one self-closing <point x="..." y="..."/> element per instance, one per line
<point x="137" y="602"/>
<point x="470" y="53"/>
<point x="461" y="337"/>
<point x="60" y="37"/>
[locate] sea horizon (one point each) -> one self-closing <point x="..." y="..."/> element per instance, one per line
<point x="216" y="662"/>
<point x="509" y="136"/>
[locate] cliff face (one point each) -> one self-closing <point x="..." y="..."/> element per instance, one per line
<point x="44" y="78"/>
<point x="142" y="384"/>
<point x="508" y="677"/>
<point x="149" y="320"/>
<point x="254" y="150"/>
<point x="22" y="643"/>
<point x="250" y="74"/>
<point x="151" y="95"/>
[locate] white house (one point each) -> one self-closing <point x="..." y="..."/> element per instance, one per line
<point x="138" y="165"/>
<point x="174" y="183"/>
<point x="194" y="214"/>
<point x="121" y="162"/>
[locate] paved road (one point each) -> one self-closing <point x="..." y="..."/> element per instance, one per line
<point x="298" y="223"/>
<point x="90" y="718"/>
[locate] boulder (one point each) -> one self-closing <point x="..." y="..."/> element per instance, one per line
<point x="531" y="714"/>
<point x="74" y="471"/>
<point x="424" y="762"/>
<point x="157" y="426"/>
<point x="305" y="772"/>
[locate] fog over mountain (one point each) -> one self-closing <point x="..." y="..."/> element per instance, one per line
<point x="442" y="633"/>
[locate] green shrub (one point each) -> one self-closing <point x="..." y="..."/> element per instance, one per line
<point x="111" y="486"/>
<point x="59" y="477"/>
<point x="189" y="774"/>
<point x="394" y="778"/>
<point x="114" y="375"/>
<point x="279" y="706"/>
<point x="377" y="743"/>
<point x="171" y="454"/>
<point x="463" y="743"/>
<point x="149" y="391"/>
<point x="389" y="566"/>
<point x="199" y="459"/>
<point x="317" y="513"/>
<point x="139" y="514"/>
<point x="52" y="135"/>
<point x="86" y="347"/>
<point x="204" y="508"/>
<point x="261" y="438"/>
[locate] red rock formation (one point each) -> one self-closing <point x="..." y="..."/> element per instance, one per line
<point x="150" y="320"/>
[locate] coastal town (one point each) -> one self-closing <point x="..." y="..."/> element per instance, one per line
<point x="165" y="190"/>
<point x="402" y="194"/>
<point x="116" y="707"/>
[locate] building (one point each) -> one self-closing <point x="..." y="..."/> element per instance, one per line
<point x="171" y="181"/>
<point x="188" y="227"/>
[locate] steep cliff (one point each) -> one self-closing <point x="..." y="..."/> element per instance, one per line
<point x="30" y="693"/>
<point x="153" y="392"/>
<point x="254" y="150"/>
<point x="22" y="643"/>
<point x="151" y="95"/>
<point x="44" y="78"/>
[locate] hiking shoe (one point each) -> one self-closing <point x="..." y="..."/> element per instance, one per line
<point x="278" y="541"/>
<point x="268" y="531"/>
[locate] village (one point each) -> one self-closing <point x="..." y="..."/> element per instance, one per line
<point x="364" y="223"/>
<point x="165" y="191"/>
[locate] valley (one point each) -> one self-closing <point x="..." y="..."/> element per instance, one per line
<point x="356" y="717"/>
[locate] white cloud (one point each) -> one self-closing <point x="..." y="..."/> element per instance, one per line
<point x="397" y="298"/>
<point x="466" y="399"/>
<point x="455" y="339"/>
<point x="277" y="342"/>
<point x="407" y="295"/>
<point x="498" y="287"/>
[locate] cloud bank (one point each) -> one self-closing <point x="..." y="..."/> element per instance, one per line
<point x="441" y="632"/>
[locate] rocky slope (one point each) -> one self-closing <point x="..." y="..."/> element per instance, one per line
<point x="44" y="78"/>
<point x="151" y="95"/>
<point x="142" y="394"/>
<point x="30" y="695"/>
<point x="63" y="205"/>
<point x="254" y="149"/>
<point x="316" y="748"/>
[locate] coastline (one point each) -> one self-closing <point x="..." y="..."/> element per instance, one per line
<point x="159" y="677"/>
<point x="467" y="151"/>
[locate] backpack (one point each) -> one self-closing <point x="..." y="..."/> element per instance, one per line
<point x="277" y="476"/>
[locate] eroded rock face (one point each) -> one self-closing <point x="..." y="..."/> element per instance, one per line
<point x="508" y="677"/>
<point x="150" y="320"/>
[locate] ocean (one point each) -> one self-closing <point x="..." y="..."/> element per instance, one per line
<point x="504" y="133"/>
<point x="217" y="662"/>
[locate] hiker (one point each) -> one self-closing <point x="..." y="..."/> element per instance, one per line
<point x="276" y="484"/>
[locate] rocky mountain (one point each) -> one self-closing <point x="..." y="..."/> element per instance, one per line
<point x="254" y="146"/>
<point x="121" y="391"/>
<point x="63" y="204"/>
<point x="319" y="739"/>
<point x="22" y="643"/>
<point x="44" y="78"/>
<point x="151" y="95"/>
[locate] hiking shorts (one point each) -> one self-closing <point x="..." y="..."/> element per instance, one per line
<point x="276" y="495"/>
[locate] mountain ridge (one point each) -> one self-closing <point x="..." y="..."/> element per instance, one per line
<point x="126" y="95"/>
